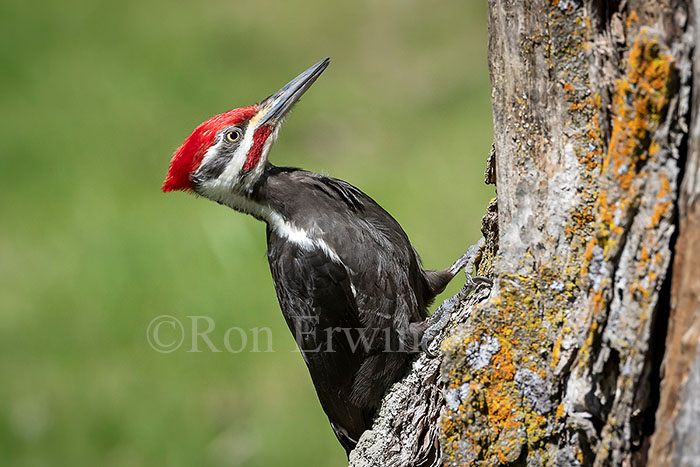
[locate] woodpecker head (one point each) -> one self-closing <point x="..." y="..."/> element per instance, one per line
<point x="224" y="156"/>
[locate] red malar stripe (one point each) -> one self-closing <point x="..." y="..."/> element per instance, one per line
<point x="259" y="138"/>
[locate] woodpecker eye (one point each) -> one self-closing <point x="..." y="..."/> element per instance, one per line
<point x="233" y="136"/>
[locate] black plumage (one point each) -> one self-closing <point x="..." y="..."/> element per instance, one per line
<point x="375" y="289"/>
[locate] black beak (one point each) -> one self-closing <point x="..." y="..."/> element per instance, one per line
<point x="275" y="107"/>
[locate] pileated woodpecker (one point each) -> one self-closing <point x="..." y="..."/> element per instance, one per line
<point x="349" y="283"/>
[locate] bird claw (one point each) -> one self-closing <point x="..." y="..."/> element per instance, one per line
<point x="475" y="281"/>
<point x="436" y="323"/>
<point x="439" y="320"/>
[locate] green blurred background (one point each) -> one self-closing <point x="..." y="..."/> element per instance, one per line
<point x="94" y="98"/>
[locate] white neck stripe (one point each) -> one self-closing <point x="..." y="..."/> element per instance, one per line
<point x="300" y="237"/>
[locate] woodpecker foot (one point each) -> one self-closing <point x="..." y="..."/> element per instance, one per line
<point x="437" y="322"/>
<point x="476" y="281"/>
<point x="467" y="260"/>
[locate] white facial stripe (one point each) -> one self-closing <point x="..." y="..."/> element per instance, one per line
<point x="228" y="188"/>
<point x="232" y="172"/>
<point x="233" y="169"/>
<point x="211" y="153"/>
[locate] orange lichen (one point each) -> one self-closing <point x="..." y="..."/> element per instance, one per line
<point x="607" y="215"/>
<point x="598" y="301"/>
<point x="638" y="105"/>
<point x="529" y="318"/>
<point x="560" y="411"/>
<point x="663" y="204"/>
<point x="555" y="352"/>
<point x="636" y="289"/>
<point x="494" y="394"/>
<point x="644" y="255"/>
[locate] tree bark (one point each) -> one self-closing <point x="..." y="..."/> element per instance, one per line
<point x="677" y="438"/>
<point x="585" y="352"/>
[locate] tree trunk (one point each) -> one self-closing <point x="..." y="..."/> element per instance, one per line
<point x="586" y="350"/>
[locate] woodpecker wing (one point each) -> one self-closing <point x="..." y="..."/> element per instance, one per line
<point x="318" y="304"/>
<point x="388" y="285"/>
<point x="385" y="289"/>
<point x="383" y="266"/>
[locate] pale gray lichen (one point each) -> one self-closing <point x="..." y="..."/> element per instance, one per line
<point x="478" y="355"/>
<point x="533" y="387"/>
<point x="455" y="396"/>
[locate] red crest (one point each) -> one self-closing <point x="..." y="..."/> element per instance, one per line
<point x="189" y="156"/>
